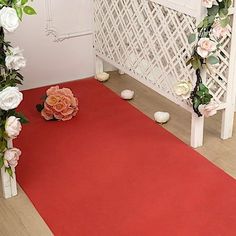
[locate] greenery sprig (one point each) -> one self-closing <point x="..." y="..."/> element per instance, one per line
<point x="206" y="45"/>
<point x="11" y="61"/>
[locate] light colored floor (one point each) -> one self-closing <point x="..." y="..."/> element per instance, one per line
<point x="19" y="217"/>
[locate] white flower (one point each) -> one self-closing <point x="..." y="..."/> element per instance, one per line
<point x="205" y="47"/>
<point x="219" y="31"/>
<point x="15" y="59"/>
<point x="13" y="127"/>
<point x="209" y="109"/>
<point x="184" y="89"/>
<point x="9" y="19"/>
<point x="10" y="98"/>
<point x="11" y="157"/>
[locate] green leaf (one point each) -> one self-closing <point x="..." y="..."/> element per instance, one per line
<point x="3" y="2"/>
<point x="23" y="2"/>
<point x="29" y="10"/>
<point x="213" y="60"/>
<point x="23" y="119"/>
<point x="1" y="162"/>
<point x="224" y="22"/>
<point x="196" y="103"/>
<point x="39" y="107"/>
<point x="203" y="88"/>
<point x="3" y="145"/>
<point x="9" y="171"/>
<point x="196" y="63"/>
<point x="19" y="12"/>
<point x="213" y="10"/>
<point x="191" y="38"/>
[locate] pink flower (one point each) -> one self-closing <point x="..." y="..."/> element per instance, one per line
<point x="219" y="31"/>
<point x="52" y="100"/>
<point x="205" y="47"/>
<point x="209" y="3"/>
<point x="52" y="90"/>
<point x="209" y="109"/>
<point x="47" y="114"/>
<point x="11" y="157"/>
<point x="60" y="104"/>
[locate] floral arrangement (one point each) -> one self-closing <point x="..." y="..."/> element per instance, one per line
<point x="58" y="104"/>
<point x="211" y="29"/>
<point x="11" y="61"/>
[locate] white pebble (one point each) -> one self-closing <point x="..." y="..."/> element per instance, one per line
<point x="102" y="77"/>
<point x="127" y="94"/>
<point x="162" y="117"/>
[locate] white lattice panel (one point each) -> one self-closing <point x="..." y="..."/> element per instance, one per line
<point x="150" y="41"/>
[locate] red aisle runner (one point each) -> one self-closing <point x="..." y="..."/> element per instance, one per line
<point x="111" y="171"/>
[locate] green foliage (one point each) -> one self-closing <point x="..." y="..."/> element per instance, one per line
<point x="213" y="60"/>
<point x="9" y="171"/>
<point x="217" y="13"/>
<point x="10" y="77"/>
<point x="29" y="10"/>
<point x="192" y="38"/>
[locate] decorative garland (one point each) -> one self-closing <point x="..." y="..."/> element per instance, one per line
<point x="210" y="30"/>
<point x="11" y="61"/>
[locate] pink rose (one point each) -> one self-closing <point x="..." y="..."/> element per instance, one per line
<point x="208" y="3"/>
<point x="11" y="157"/>
<point x="52" y="90"/>
<point x="52" y="100"/>
<point x="205" y="47"/>
<point x="209" y="109"/>
<point x="47" y="114"/>
<point x="219" y="31"/>
<point x="60" y="106"/>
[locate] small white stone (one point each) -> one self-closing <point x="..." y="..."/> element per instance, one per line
<point x="127" y="94"/>
<point x="102" y="77"/>
<point x="162" y="117"/>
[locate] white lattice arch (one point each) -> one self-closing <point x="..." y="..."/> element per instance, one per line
<point x="147" y="39"/>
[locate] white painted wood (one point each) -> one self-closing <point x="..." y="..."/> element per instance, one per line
<point x="49" y="62"/>
<point x="151" y="45"/>
<point x="197" y="128"/>
<point x="121" y="72"/>
<point x="76" y="24"/>
<point x="228" y="112"/>
<point x="99" y="65"/>
<point x="9" y="184"/>
<point x="184" y="6"/>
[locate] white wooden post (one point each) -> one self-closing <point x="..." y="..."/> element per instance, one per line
<point x="9" y="184"/>
<point x="121" y="72"/>
<point x="228" y="112"/>
<point x="197" y="130"/>
<point x="197" y="124"/>
<point x="99" y="65"/>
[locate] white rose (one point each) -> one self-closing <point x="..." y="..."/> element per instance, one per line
<point x="13" y="127"/>
<point x="10" y="98"/>
<point x="219" y="31"/>
<point x="14" y="59"/>
<point x="11" y="157"/>
<point x="209" y="109"/>
<point x="184" y="89"/>
<point x="205" y="47"/>
<point x="9" y="19"/>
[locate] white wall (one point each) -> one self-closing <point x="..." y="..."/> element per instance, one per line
<point x="50" y="62"/>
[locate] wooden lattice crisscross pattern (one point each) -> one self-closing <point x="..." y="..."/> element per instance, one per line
<point x="150" y="41"/>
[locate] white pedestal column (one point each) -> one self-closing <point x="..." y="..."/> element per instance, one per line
<point x="9" y="184"/>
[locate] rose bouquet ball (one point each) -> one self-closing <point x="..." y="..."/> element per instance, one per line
<point x="59" y="104"/>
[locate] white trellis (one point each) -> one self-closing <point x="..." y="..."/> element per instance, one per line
<point x="9" y="185"/>
<point x="147" y="39"/>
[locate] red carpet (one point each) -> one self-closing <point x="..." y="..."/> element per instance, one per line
<point x="111" y="171"/>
